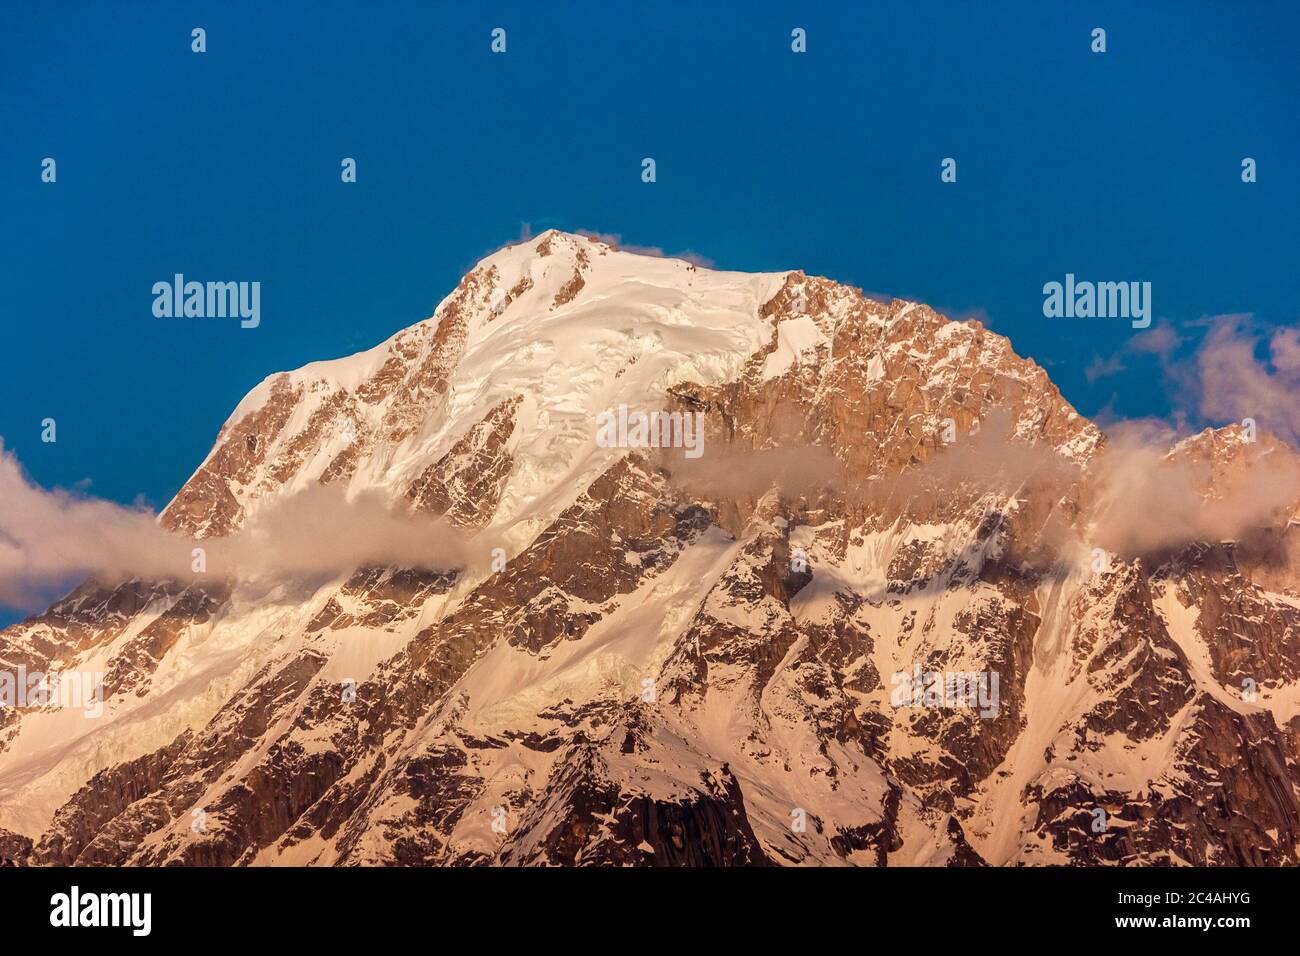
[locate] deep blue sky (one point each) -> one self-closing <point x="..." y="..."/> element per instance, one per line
<point x="225" y="165"/>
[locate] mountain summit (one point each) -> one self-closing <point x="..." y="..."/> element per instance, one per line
<point x="871" y="625"/>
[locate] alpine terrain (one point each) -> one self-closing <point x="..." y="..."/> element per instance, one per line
<point x="872" y="622"/>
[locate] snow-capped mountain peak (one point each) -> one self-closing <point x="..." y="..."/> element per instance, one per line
<point x="825" y="639"/>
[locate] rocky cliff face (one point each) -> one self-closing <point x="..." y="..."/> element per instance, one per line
<point x="837" y="637"/>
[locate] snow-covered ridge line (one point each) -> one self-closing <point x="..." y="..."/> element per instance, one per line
<point x="572" y="326"/>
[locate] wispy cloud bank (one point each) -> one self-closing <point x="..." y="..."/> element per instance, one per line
<point x="1161" y="341"/>
<point x="56" y="538"/>
<point x="49" y="537"/>
<point x="1236" y="382"/>
<point x="1239" y="369"/>
<point x="1143" y="499"/>
<point x="1139" y="495"/>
